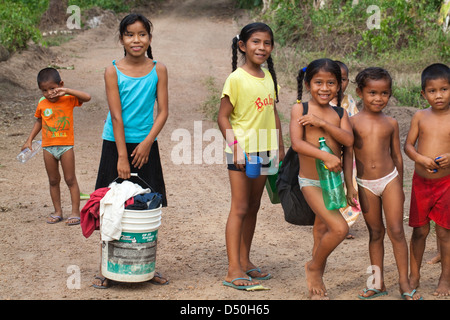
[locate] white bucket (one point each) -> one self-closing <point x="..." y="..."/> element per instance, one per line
<point x="132" y="257"/>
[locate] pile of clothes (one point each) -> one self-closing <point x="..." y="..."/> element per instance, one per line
<point x="104" y="209"/>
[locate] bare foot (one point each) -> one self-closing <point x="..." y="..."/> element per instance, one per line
<point x="443" y="289"/>
<point x="435" y="259"/>
<point x="316" y="287"/>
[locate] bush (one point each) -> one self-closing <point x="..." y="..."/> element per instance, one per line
<point x="19" y="20"/>
<point x="342" y="28"/>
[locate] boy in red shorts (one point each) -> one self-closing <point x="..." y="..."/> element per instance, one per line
<point x="430" y="195"/>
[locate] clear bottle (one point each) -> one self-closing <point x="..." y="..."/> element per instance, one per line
<point x="331" y="182"/>
<point x="26" y="154"/>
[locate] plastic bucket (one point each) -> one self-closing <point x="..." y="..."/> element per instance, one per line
<point x="132" y="258"/>
<point x="253" y="167"/>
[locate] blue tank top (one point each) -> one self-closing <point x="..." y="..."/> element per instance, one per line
<point x="137" y="97"/>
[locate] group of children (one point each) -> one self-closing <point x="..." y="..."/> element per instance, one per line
<point x="368" y="137"/>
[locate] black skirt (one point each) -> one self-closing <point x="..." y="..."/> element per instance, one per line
<point x="151" y="172"/>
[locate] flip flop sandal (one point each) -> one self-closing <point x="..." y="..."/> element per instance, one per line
<point x="232" y="285"/>
<point x="159" y="276"/>
<point x="58" y="219"/>
<point x="101" y="286"/>
<point x="254" y="287"/>
<point x="259" y="271"/>
<point x="378" y="293"/>
<point x="411" y="295"/>
<point x="73" y="223"/>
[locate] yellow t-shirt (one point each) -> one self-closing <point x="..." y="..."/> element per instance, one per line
<point x="253" y="116"/>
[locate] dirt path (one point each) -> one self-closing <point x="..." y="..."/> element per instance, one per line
<point x="35" y="257"/>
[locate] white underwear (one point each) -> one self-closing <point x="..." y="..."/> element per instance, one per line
<point x="377" y="186"/>
<point x="305" y="182"/>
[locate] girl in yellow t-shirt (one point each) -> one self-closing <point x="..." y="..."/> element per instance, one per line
<point x="249" y="122"/>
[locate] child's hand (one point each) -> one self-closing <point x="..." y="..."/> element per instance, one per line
<point x="333" y="163"/>
<point x="140" y="154"/>
<point x="352" y="195"/>
<point x="239" y="158"/>
<point x="443" y="161"/>
<point x="27" y="144"/>
<point x="429" y="164"/>
<point x="123" y="168"/>
<point x="59" y="92"/>
<point x="311" y="120"/>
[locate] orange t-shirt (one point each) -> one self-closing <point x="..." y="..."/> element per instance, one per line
<point x="57" y="120"/>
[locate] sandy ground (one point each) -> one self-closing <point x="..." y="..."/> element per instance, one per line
<point x="193" y="40"/>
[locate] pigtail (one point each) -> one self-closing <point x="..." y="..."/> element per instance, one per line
<point x="149" y="52"/>
<point x="234" y="49"/>
<point x="274" y="76"/>
<point x="339" y="97"/>
<point x="300" y="77"/>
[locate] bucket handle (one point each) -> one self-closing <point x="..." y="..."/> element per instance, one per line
<point x="134" y="174"/>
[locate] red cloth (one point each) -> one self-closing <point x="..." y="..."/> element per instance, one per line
<point x="430" y="200"/>
<point x="90" y="214"/>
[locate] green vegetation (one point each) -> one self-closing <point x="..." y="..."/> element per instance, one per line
<point x="19" y="19"/>
<point x="18" y="23"/>
<point x="401" y="36"/>
<point x="210" y="106"/>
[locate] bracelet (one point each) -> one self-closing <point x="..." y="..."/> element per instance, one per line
<point x="232" y="143"/>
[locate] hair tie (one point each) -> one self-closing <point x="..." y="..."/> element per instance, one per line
<point x="304" y="69"/>
<point x="299" y="101"/>
<point x="237" y="37"/>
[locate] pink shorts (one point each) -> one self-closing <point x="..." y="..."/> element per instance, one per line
<point x="430" y="200"/>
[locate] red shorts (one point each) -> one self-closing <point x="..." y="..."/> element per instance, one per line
<point x="430" y="200"/>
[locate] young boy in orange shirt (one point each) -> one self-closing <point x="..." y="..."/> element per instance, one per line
<point x="54" y="116"/>
<point x="430" y="195"/>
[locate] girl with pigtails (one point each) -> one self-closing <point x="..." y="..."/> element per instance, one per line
<point x="310" y="121"/>
<point x="249" y="122"/>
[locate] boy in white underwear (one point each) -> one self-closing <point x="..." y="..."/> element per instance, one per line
<point x="379" y="166"/>
<point x="54" y="117"/>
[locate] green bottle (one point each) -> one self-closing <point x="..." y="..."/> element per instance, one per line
<point x="330" y="182"/>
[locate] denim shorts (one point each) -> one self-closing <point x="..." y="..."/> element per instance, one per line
<point x="58" y="151"/>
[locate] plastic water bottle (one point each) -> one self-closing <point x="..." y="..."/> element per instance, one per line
<point x="26" y="154"/>
<point x="331" y="182"/>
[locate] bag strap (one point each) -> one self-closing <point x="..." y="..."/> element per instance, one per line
<point x="339" y="110"/>
<point x="305" y="108"/>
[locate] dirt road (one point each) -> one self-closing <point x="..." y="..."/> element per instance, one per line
<point x="193" y="41"/>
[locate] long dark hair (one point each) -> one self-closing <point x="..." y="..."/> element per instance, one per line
<point x="306" y="74"/>
<point x="245" y="34"/>
<point x="132" y="18"/>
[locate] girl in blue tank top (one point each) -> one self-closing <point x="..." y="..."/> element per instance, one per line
<point x="133" y="85"/>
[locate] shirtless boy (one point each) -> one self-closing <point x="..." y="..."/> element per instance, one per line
<point x="430" y="195"/>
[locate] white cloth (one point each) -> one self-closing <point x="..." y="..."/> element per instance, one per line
<point x="112" y="206"/>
